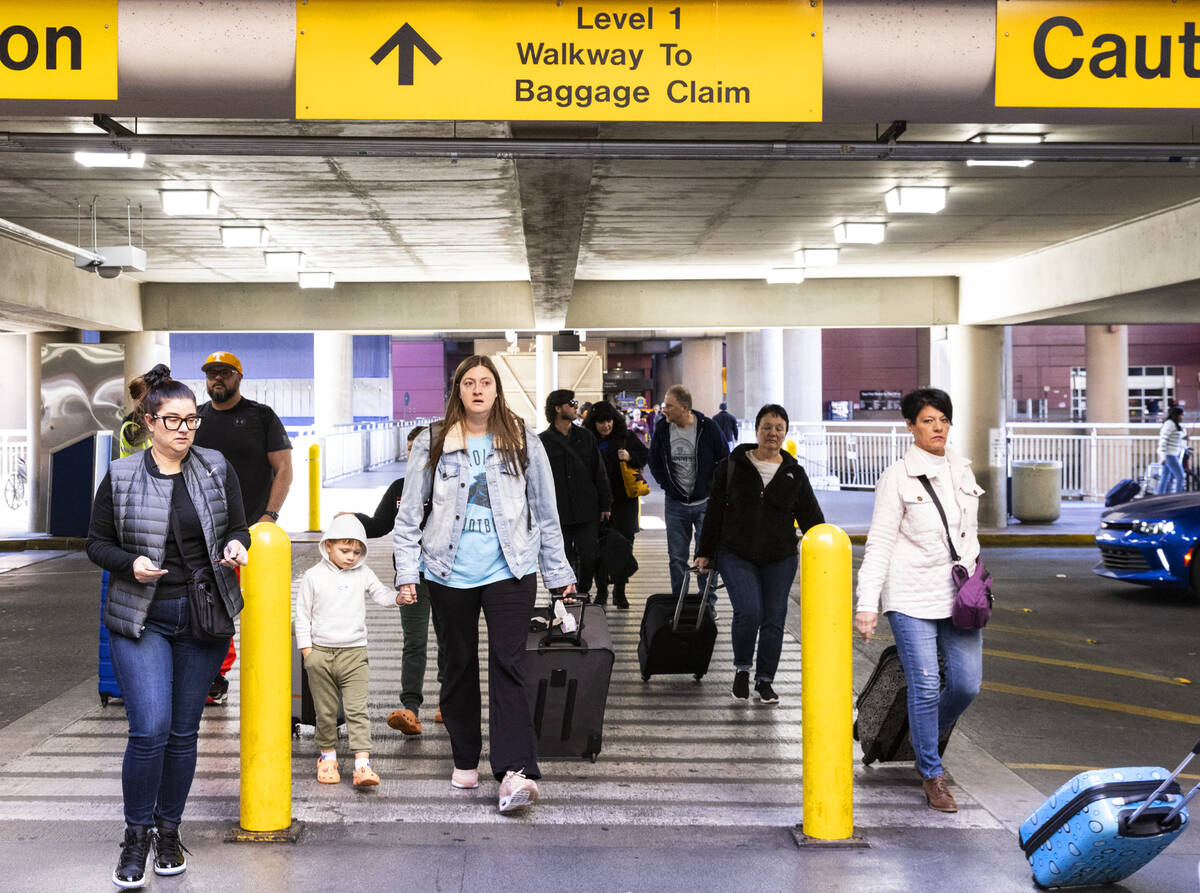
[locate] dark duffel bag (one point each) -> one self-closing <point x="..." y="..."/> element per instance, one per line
<point x="882" y="724"/>
<point x="1122" y="492"/>
<point x="678" y="633"/>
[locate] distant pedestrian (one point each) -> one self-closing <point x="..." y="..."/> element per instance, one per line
<point x="331" y="633"/>
<point x="760" y="496"/>
<point x="492" y="524"/>
<point x="1172" y="438"/>
<point x="727" y="422"/>
<point x="906" y="573"/>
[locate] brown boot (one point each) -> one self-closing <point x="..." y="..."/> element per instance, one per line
<point x="937" y="795"/>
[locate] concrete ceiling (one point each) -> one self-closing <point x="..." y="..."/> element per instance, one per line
<point x="550" y="222"/>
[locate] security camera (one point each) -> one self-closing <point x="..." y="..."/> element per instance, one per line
<point x="106" y="272"/>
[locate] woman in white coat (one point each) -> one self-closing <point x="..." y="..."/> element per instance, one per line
<point x="906" y="575"/>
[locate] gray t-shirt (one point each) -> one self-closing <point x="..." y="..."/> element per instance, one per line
<point x="683" y="456"/>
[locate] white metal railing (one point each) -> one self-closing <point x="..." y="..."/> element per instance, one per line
<point x="353" y="449"/>
<point x="14" y="469"/>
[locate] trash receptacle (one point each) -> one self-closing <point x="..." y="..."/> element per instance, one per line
<point x="1036" y="491"/>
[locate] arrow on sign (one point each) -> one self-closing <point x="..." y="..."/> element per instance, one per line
<point x="405" y="41"/>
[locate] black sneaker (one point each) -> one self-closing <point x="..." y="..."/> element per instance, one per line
<point x="218" y="692"/>
<point x="741" y="685"/>
<point x="766" y="694"/>
<point x="169" y="850"/>
<point x="131" y="867"/>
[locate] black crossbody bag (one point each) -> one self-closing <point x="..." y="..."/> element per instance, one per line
<point x="208" y="618"/>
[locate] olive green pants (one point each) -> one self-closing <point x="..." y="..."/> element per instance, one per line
<point x="339" y="674"/>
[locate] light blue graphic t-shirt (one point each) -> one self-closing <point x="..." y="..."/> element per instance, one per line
<point x="479" y="559"/>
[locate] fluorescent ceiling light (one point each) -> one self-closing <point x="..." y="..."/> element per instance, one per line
<point x="995" y="162"/>
<point x="916" y="199"/>
<point x="111" y="159"/>
<point x="816" y="257"/>
<point x="189" y="201"/>
<point x="859" y="233"/>
<point x="785" y="275"/>
<point x="284" y="261"/>
<point x="244" y="236"/>
<point x="315" y="278"/>
<point x="1011" y="138"/>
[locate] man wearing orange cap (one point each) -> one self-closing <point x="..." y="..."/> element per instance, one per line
<point x="254" y="441"/>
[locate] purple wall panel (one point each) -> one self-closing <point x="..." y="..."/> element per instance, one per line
<point x="418" y="372"/>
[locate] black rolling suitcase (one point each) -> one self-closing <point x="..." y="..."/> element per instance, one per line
<point x="566" y="682"/>
<point x="303" y="711"/>
<point x="882" y="724"/>
<point x="1122" y="492"/>
<point x="678" y="633"/>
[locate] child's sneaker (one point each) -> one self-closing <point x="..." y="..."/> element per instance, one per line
<point x="465" y="779"/>
<point x="327" y="772"/>
<point x="517" y="791"/>
<point x="365" y="777"/>
<point x="404" y="720"/>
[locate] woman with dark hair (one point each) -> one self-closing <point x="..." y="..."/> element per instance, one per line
<point x="906" y="573"/>
<point x="1172" y="439"/>
<point x="134" y="436"/>
<point x="165" y="521"/>
<point x="617" y="445"/>
<point x="493" y="521"/>
<point x="760" y="496"/>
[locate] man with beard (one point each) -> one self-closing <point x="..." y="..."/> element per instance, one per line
<point x="253" y="440"/>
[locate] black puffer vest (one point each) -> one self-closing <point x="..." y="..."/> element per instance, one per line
<point x="141" y="513"/>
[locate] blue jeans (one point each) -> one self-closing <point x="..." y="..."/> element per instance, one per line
<point x="164" y="678"/>
<point x="682" y="522"/>
<point x="759" y="594"/>
<point x="932" y="709"/>
<point x="1172" y="472"/>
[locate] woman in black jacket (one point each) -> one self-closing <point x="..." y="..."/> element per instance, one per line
<point x="757" y="494"/>
<point x="617" y="445"/>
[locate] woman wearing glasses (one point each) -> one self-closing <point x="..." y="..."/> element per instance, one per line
<point x="163" y="519"/>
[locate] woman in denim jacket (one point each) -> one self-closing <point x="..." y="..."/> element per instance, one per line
<point x="492" y="522"/>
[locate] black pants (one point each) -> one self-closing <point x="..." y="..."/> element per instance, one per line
<point x="507" y="607"/>
<point x="582" y="545"/>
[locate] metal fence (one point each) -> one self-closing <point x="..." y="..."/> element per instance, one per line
<point x="353" y="449"/>
<point x="14" y="475"/>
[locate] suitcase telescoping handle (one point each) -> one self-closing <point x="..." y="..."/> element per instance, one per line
<point x="709" y="576"/>
<point x="1162" y="787"/>
<point x="553" y="635"/>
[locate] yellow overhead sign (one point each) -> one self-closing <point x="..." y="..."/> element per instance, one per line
<point x="1099" y="54"/>
<point x="61" y="50"/>
<point x="557" y="60"/>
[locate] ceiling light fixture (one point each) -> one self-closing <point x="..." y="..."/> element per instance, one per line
<point x="189" y="201"/>
<point x="244" y="236"/>
<point x="284" y="261"/>
<point x="785" y="276"/>
<point x="916" y="199"/>
<point x="859" y="233"/>
<point x="111" y="159"/>
<point x="816" y="257"/>
<point x="1009" y="138"/>
<point x="315" y="278"/>
<point x="998" y="162"/>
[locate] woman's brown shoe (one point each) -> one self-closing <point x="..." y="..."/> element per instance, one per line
<point x="937" y="795"/>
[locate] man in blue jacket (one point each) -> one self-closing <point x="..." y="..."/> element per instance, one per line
<point x="684" y="453"/>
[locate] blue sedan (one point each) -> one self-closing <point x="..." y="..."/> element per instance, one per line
<point x="1152" y="542"/>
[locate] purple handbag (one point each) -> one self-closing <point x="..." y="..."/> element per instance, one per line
<point x="973" y="603"/>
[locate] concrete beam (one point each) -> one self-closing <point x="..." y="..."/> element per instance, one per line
<point x="349" y="307"/>
<point x="752" y="304"/>
<point x="41" y="291"/>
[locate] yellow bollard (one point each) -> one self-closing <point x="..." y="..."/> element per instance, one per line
<point x="314" y="488"/>
<point x="826" y="688"/>
<point x="266" y="692"/>
<point x="790" y="446"/>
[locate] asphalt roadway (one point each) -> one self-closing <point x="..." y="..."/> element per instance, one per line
<point x="1079" y="672"/>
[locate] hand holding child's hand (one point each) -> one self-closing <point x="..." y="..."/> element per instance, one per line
<point x="407" y="595"/>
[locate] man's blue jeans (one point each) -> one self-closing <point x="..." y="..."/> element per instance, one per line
<point x="682" y="521"/>
<point x="759" y="594"/>
<point x="164" y="678"/>
<point x="1171" y="479"/>
<point x="932" y="709"/>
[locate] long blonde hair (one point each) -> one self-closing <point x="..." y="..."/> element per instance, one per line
<point x="505" y="426"/>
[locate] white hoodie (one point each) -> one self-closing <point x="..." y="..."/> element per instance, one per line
<point x="331" y="606"/>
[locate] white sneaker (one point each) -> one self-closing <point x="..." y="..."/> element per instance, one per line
<point x="517" y="791"/>
<point x="466" y="779"/>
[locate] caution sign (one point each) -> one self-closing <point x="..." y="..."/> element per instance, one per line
<point x="555" y="60"/>
<point x="1100" y="54"/>
<point x="61" y="50"/>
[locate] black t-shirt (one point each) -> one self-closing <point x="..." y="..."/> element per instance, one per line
<point x="244" y="435"/>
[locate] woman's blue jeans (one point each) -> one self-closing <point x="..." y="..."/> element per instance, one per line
<point x="931" y="708"/>
<point x="759" y="595"/>
<point x="1171" y="478"/>
<point x="164" y="678"/>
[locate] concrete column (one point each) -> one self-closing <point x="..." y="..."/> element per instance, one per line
<point x="544" y="348"/>
<point x="976" y="389"/>
<point x="938" y="370"/>
<point x="38" y="465"/>
<point x="13" y="370"/>
<point x="333" y="379"/>
<point x="1107" y="358"/>
<point x="735" y="373"/>
<point x="802" y="382"/>
<point x="764" y="369"/>
<point x="702" y="372"/>
<point x="144" y="350"/>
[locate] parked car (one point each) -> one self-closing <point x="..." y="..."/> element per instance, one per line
<point x="1152" y="542"/>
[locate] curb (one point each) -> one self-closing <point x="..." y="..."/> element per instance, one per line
<point x="58" y="543"/>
